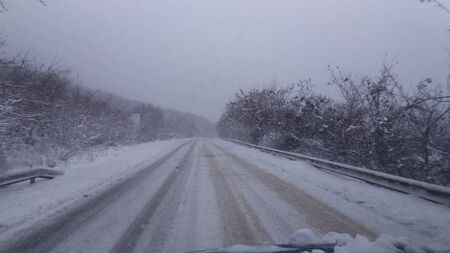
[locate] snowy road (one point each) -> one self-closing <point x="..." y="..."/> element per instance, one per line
<point x="201" y="195"/>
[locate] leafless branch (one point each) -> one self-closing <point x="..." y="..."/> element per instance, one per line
<point x="440" y="5"/>
<point x="2" y="6"/>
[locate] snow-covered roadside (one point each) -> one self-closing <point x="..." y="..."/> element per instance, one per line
<point x="24" y="204"/>
<point x="383" y="211"/>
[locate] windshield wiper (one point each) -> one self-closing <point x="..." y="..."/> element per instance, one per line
<point x="276" y="248"/>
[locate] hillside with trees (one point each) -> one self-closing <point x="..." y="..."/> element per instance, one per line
<point x="45" y="115"/>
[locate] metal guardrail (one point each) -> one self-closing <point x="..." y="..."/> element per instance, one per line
<point x="432" y="192"/>
<point x="28" y="175"/>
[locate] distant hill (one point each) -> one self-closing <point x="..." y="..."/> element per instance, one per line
<point x="176" y="123"/>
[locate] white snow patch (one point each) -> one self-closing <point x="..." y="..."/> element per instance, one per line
<point x="346" y="244"/>
<point x="386" y="244"/>
<point x="304" y="236"/>
<point x="337" y="238"/>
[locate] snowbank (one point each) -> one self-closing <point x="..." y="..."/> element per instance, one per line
<point x="24" y="204"/>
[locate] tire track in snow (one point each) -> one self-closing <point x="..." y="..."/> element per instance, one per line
<point x="168" y="221"/>
<point x="240" y="223"/>
<point x="43" y="238"/>
<point x="132" y="235"/>
<point x="318" y="215"/>
<point x="280" y="219"/>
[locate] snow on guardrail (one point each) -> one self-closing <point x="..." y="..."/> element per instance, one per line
<point x="17" y="177"/>
<point x="432" y="192"/>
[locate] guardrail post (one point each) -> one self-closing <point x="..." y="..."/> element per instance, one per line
<point x="32" y="180"/>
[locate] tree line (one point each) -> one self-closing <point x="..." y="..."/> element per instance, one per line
<point x="43" y="113"/>
<point x="377" y="123"/>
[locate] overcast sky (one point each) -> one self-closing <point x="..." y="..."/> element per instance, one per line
<point x="193" y="55"/>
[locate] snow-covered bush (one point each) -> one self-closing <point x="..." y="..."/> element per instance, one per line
<point x="377" y="125"/>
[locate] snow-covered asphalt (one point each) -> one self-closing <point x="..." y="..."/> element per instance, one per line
<point x="207" y="194"/>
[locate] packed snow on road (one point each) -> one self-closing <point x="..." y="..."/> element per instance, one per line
<point x="206" y="194"/>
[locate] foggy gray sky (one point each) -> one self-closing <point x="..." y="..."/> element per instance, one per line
<point x="193" y="55"/>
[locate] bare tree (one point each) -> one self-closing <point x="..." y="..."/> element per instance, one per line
<point x="438" y="4"/>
